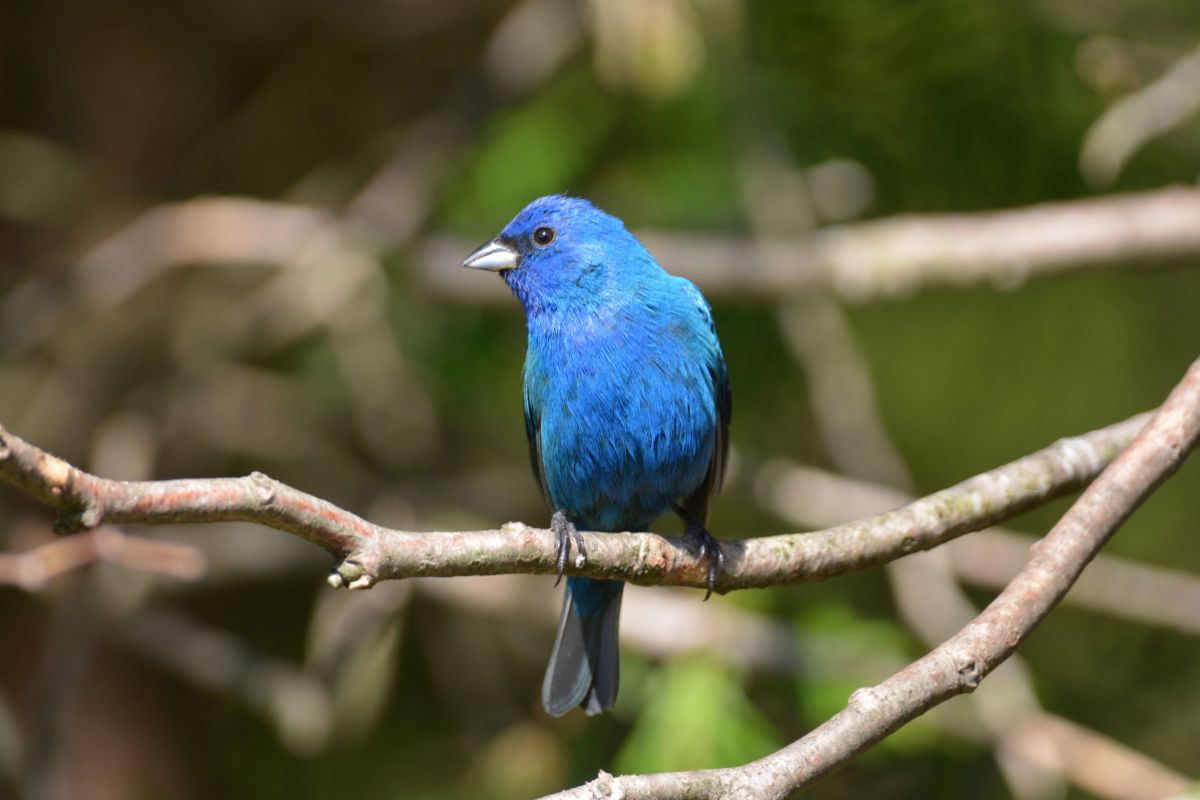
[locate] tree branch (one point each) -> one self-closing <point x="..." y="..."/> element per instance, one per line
<point x="896" y="256"/>
<point x="1122" y="587"/>
<point x="32" y="569"/>
<point x="1126" y="589"/>
<point x="1094" y="762"/>
<point x="368" y="553"/>
<point x="1139" y="117"/>
<point x="959" y="664"/>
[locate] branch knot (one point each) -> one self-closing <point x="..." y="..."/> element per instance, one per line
<point x="607" y="787"/>
<point x="265" y="486"/>
<point x="969" y="670"/>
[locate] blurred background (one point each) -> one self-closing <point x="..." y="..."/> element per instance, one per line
<point x="229" y="241"/>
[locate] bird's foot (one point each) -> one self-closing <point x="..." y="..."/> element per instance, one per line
<point x="564" y="532"/>
<point x="709" y="547"/>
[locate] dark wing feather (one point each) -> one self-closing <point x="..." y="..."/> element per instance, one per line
<point x="697" y="503"/>
<point x="724" y="398"/>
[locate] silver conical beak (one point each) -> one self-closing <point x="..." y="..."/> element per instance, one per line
<point x="494" y="256"/>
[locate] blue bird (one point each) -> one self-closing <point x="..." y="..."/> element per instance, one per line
<point x="627" y="408"/>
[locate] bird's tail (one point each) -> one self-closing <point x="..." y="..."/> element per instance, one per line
<point x="584" y="666"/>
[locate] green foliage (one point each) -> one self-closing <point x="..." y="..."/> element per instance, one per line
<point x="543" y="147"/>
<point x="845" y="651"/>
<point x="695" y="715"/>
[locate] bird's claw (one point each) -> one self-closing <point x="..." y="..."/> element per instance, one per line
<point x="564" y="532"/>
<point x="709" y="548"/>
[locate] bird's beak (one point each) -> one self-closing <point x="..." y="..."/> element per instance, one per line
<point x="495" y="256"/>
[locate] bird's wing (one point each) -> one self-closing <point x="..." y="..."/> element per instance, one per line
<point x="697" y="504"/>
<point x="533" y="424"/>
<point x="724" y="398"/>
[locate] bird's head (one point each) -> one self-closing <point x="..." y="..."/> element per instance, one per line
<point x="563" y="252"/>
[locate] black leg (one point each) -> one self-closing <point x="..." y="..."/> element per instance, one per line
<point x="710" y="548"/>
<point x="564" y="532"/>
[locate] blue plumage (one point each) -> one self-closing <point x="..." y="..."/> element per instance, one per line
<point x="626" y="405"/>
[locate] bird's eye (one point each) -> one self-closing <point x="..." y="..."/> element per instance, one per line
<point x="543" y="236"/>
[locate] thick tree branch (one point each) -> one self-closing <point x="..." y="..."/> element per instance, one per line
<point x="959" y="664"/>
<point x="368" y="553"/>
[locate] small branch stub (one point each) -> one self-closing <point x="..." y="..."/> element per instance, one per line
<point x="266" y="487"/>
<point x="350" y="574"/>
<point x="968" y="670"/>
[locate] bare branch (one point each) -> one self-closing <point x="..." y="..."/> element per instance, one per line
<point x="1094" y="762"/>
<point x="368" y="553"/>
<point x="1122" y="587"/>
<point x="1135" y="120"/>
<point x="899" y="255"/>
<point x="31" y="570"/>
<point x="959" y="664"/>
<point x="858" y="261"/>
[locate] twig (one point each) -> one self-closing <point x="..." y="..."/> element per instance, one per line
<point x="1118" y="586"/>
<point x="1127" y="589"/>
<point x="32" y="569"/>
<point x="899" y="255"/>
<point x="959" y="664"/>
<point x="1094" y="762"/>
<point x="368" y="553"/>
<point x="1135" y="120"/>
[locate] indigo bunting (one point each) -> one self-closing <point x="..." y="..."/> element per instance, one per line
<point x="627" y="408"/>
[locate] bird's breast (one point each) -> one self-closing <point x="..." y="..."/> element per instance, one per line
<point x="627" y="423"/>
